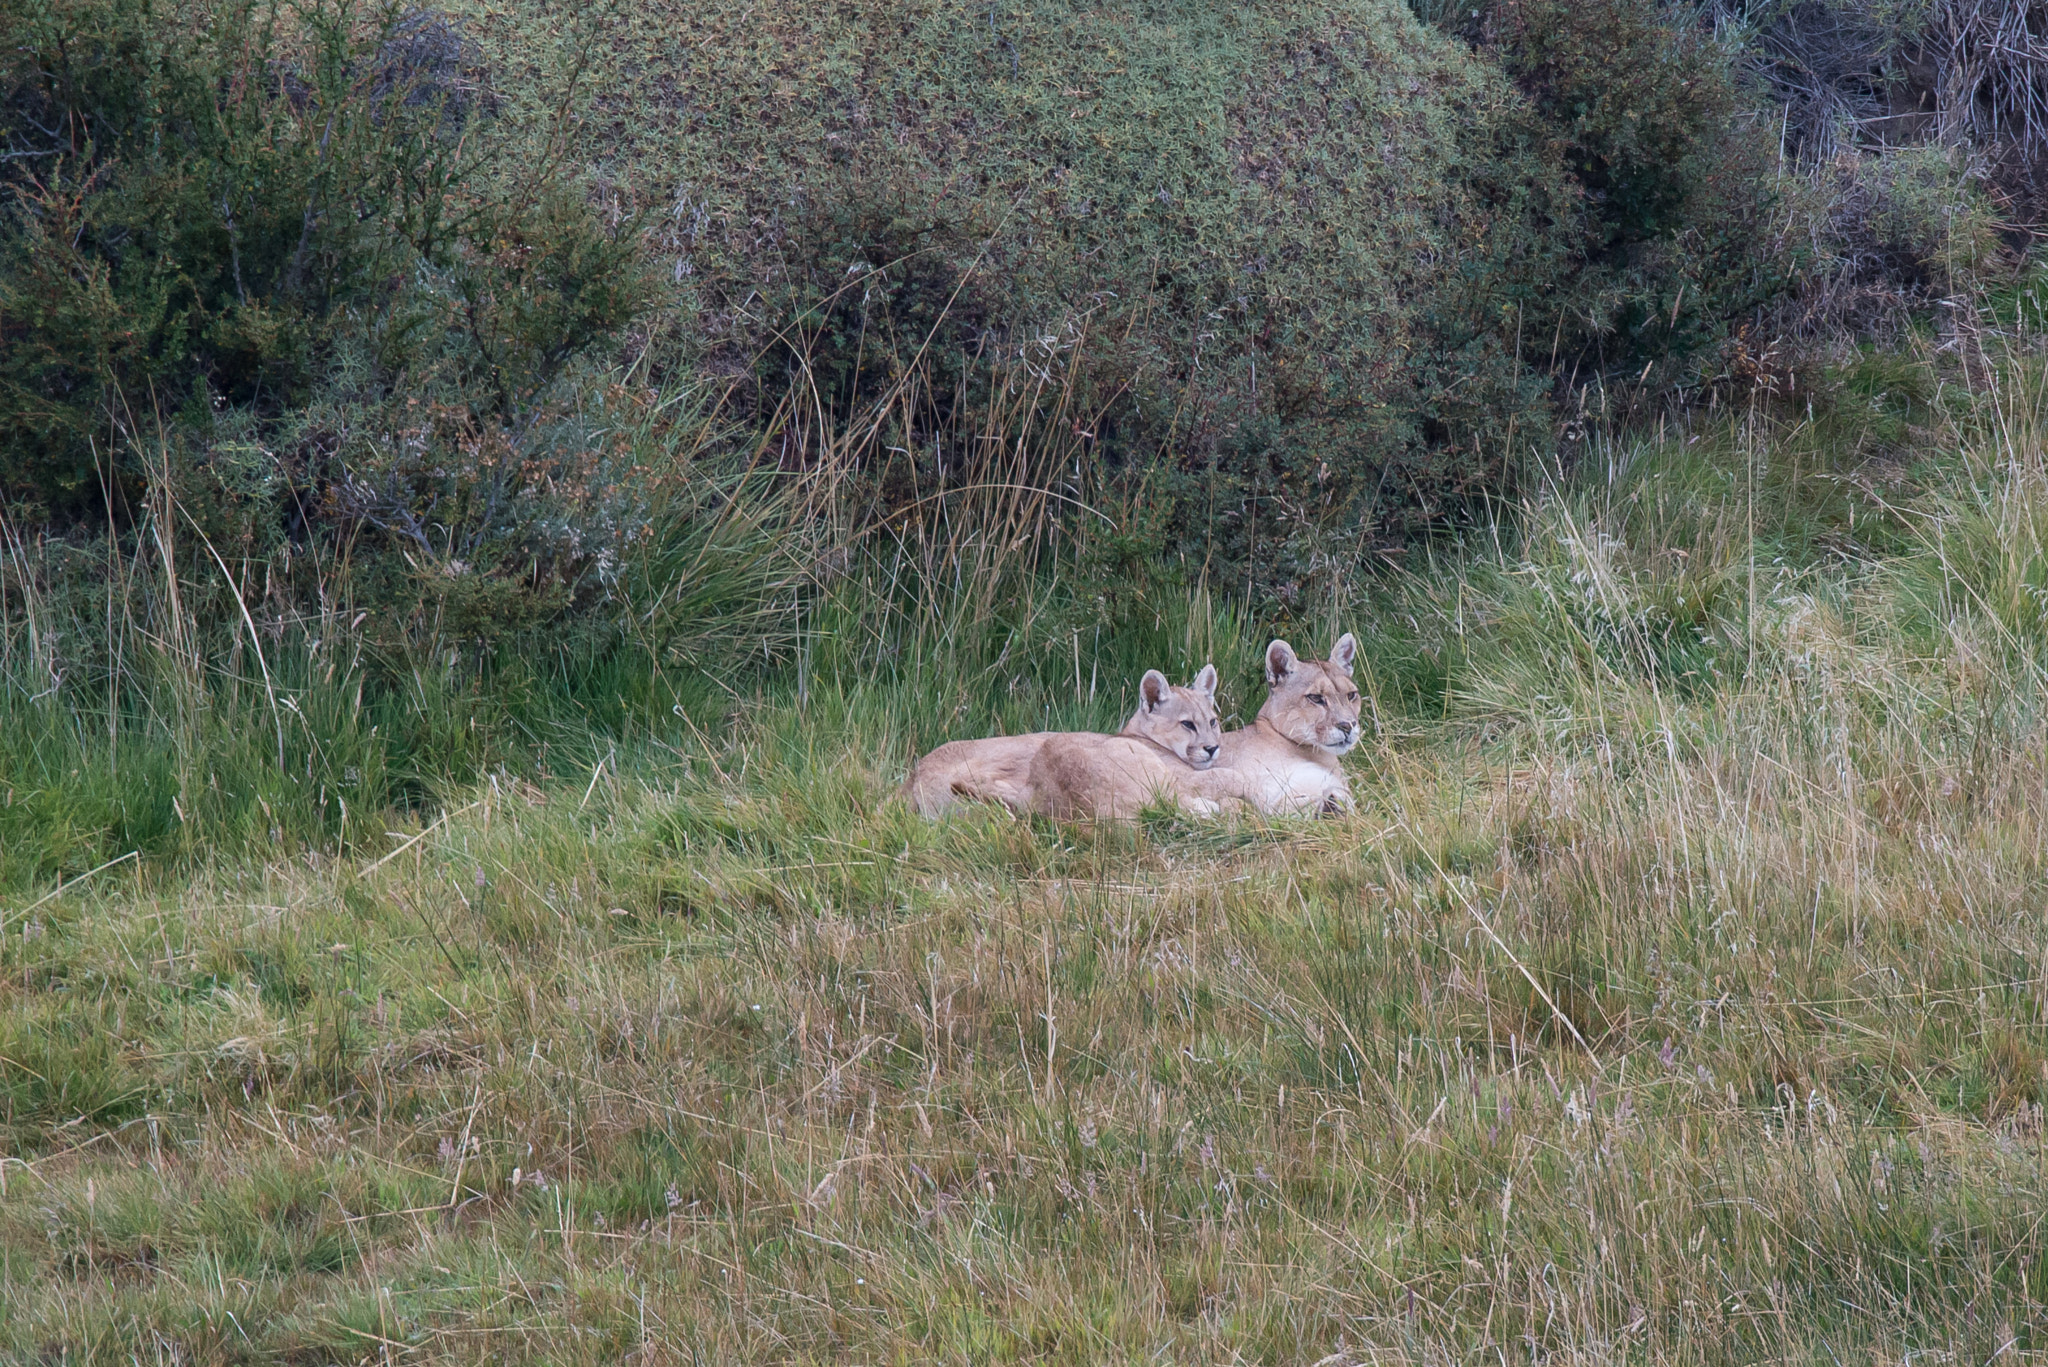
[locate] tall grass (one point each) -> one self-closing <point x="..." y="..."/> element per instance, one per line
<point x="156" y="698"/>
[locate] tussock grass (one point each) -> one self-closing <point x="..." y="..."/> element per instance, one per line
<point x="1675" y="993"/>
<point x="155" y="700"/>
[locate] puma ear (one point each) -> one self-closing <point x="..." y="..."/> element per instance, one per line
<point x="1153" y="688"/>
<point x="1205" y="682"/>
<point x="1344" y="652"/>
<point x="1280" y="661"/>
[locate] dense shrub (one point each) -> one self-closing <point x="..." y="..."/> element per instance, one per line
<point x="275" y="258"/>
<point x="1858" y="76"/>
<point x="1915" y="134"/>
<point x="1912" y="217"/>
<point x="1277" y="285"/>
<point x="1294" y="240"/>
<point x="1678" y="239"/>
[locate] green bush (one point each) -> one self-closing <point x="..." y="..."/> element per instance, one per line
<point x="1647" y="114"/>
<point x="281" y="255"/>
<point x="1914" y="215"/>
<point x="1290" y="243"/>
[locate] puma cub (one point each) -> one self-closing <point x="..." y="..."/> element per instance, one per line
<point x="1181" y="722"/>
<point x="1286" y="761"/>
<point x="1115" y="777"/>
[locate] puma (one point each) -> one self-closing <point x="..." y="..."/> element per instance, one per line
<point x="1286" y="761"/>
<point x="1116" y="777"/>
<point x="1180" y="722"/>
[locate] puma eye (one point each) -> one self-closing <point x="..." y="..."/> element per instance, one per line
<point x="1319" y="700"/>
<point x="1353" y="697"/>
<point x="1189" y="725"/>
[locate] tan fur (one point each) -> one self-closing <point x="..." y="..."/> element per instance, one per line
<point x="962" y="771"/>
<point x="1286" y="761"/>
<point x="1169" y="720"/>
<point x="1116" y="777"/>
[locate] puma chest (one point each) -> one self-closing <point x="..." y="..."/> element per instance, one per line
<point x="1285" y="783"/>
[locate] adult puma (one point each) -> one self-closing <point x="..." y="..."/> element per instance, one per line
<point x="1180" y="722"/>
<point x="1286" y="761"/>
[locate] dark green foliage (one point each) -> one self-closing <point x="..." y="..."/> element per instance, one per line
<point x="882" y="289"/>
<point x="279" y="290"/>
<point x="1641" y="102"/>
<point x="1644" y="109"/>
<point x="252" y="242"/>
<point x="186" y="208"/>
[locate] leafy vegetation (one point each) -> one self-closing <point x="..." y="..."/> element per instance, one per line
<point x="271" y="263"/>
<point x="1680" y="233"/>
<point x="1285" y="249"/>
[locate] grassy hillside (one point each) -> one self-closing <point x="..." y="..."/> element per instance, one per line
<point x="1675" y="992"/>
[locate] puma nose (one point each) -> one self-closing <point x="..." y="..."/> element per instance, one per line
<point x="1344" y="727"/>
<point x="1210" y="750"/>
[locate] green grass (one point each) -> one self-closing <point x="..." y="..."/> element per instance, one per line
<point x="1675" y="993"/>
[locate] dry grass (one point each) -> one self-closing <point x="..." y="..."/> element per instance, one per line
<point x="1676" y="994"/>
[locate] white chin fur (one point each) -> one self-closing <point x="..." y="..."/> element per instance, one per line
<point x="1342" y="747"/>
